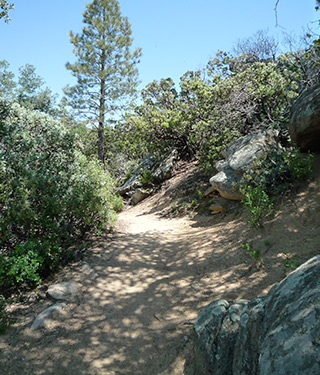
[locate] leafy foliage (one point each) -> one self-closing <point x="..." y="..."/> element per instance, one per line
<point x="232" y="97"/>
<point x="290" y="262"/>
<point x="49" y="192"/>
<point x="253" y="253"/>
<point x="28" y="91"/>
<point x="271" y="175"/>
<point x="7" y="83"/>
<point x="5" y="8"/>
<point x="146" y="178"/>
<point x="278" y="169"/>
<point x="300" y="166"/>
<point x="260" y="206"/>
<point x="31" y="94"/>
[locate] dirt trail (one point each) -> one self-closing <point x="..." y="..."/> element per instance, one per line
<point x="153" y="279"/>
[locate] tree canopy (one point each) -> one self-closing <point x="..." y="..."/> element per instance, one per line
<point x="28" y="91"/>
<point x="5" y="8"/>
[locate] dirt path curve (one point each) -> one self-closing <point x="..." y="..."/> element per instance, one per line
<point x="143" y="290"/>
<point x="134" y="317"/>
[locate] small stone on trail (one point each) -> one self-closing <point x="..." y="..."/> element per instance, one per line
<point x="42" y="319"/>
<point x="196" y="287"/>
<point x="63" y="291"/>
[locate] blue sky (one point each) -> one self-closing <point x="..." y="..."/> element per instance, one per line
<point x="175" y="35"/>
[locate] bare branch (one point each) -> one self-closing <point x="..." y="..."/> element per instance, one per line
<point x="276" y="12"/>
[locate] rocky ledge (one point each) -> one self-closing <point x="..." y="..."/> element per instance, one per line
<point x="276" y="334"/>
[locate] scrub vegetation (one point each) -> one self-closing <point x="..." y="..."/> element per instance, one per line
<point x="61" y="162"/>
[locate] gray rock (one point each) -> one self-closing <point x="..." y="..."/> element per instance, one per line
<point x="149" y="163"/>
<point x="227" y="183"/>
<point x="88" y="271"/>
<point x="159" y="173"/>
<point x="276" y="334"/>
<point x="42" y="319"/>
<point x="63" y="291"/>
<point x="304" y="125"/>
<point x="166" y="167"/>
<point x="239" y="156"/>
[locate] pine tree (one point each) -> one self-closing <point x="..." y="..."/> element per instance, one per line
<point x="105" y="68"/>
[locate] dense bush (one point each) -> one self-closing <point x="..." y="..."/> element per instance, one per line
<point x="232" y="97"/>
<point x="50" y="194"/>
<point x="277" y="170"/>
<point x="259" y="205"/>
<point x="271" y="176"/>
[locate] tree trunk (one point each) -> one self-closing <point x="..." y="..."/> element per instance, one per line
<point x="102" y="107"/>
<point x="101" y="152"/>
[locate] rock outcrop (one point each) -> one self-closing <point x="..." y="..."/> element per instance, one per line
<point x="149" y="163"/>
<point x="239" y="156"/>
<point x="166" y="167"/>
<point x="276" y="334"/>
<point x="304" y="125"/>
<point x="159" y="172"/>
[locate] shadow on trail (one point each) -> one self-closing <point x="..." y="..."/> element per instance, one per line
<point x="135" y="317"/>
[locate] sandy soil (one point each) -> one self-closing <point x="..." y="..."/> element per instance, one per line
<point x="153" y="278"/>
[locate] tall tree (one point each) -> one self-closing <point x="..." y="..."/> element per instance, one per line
<point x="105" y="69"/>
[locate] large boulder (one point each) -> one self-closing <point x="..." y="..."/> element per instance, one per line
<point x="276" y="334"/>
<point x="227" y="183"/>
<point x="304" y="125"/>
<point x="239" y="156"/>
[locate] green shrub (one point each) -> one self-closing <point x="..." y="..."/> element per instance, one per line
<point x="278" y="169"/>
<point x="300" y="166"/>
<point x="291" y="262"/>
<point x="259" y="205"/>
<point x="253" y="253"/>
<point x="146" y="178"/>
<point x="28" y="262"/>
<point x="50" y="194"/>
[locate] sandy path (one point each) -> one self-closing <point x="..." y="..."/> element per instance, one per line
<point x="134" y="318"/>
<point x="153" y="279"/>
